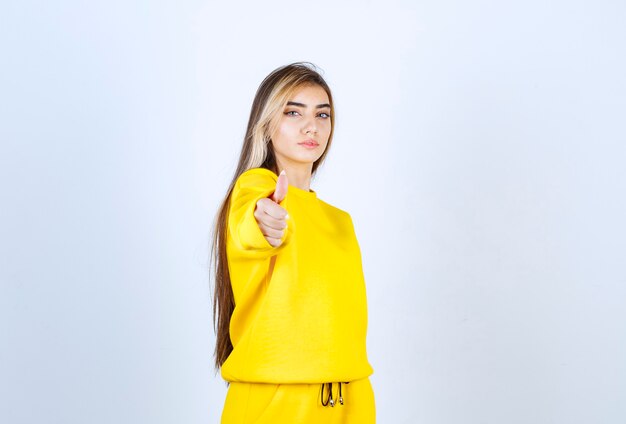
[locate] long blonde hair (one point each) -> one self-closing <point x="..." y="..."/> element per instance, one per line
<point x="256" y="152"/>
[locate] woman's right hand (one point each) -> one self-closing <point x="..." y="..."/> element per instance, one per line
<point x="271" y="217"/>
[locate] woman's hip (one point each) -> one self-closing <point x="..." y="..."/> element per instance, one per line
<point x="259" y="403"/>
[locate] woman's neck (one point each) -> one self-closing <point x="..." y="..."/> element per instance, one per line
<point x="297" y="176"/>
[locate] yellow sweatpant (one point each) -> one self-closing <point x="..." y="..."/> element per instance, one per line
<point x="261" y="403"/>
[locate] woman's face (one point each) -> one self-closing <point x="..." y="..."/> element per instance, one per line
<point x="304" y="127"/>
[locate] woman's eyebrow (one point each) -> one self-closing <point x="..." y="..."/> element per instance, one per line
<point x="303" y="105"/>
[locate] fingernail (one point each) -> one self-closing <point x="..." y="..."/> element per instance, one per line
<point x="282" y="172"/>
<point x="287" y="216"/>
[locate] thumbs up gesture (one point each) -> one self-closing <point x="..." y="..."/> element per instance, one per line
<point x="271" y="217"/>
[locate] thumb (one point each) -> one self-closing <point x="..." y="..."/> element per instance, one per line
<point x="281" y="187"/>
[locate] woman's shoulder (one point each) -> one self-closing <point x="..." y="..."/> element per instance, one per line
<point x="335" y="210"/>
<point x="259" y="171"/>
<point x="256" y="177"/>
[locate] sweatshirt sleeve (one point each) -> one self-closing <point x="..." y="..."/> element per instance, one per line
<point x="243" y="228"/>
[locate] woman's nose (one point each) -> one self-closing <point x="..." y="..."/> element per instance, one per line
<point x="311" y="128"/>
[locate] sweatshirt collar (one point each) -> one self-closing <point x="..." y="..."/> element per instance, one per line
<point x="311" y="194"/>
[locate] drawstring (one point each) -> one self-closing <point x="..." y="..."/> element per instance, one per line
<point x="329" y="399"/>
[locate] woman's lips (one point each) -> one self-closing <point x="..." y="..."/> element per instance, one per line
<point x="309" y="144"/>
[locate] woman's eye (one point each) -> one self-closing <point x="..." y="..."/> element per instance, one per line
<point x="293" y="112"/>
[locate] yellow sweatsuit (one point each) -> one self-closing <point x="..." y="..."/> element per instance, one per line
<point x="300" y="316"/>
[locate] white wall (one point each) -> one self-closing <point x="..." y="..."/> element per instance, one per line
<point x="479" y="148"/>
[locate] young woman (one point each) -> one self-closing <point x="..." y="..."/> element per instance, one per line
<point x="290" y="301"/>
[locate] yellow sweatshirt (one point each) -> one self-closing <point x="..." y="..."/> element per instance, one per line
<point x="300" y="308"/>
